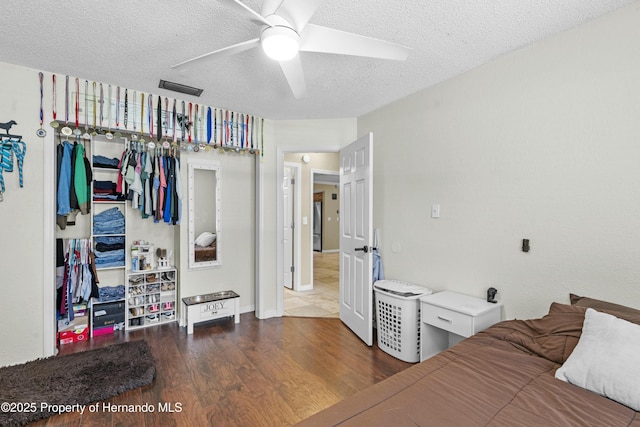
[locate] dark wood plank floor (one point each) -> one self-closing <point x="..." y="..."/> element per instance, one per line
<point x="271" y="372"/>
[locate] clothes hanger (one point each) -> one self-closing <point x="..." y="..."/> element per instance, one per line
<point x="10" y="137"/>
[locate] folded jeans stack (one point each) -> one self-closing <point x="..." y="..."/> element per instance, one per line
<point x="111" y="293"/>
<point x="110" y="221"/>
<point x="105" y="162"/>
<point x="109" y="251"/>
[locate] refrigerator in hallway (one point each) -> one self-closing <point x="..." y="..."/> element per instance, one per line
<point x="317" y="226"/>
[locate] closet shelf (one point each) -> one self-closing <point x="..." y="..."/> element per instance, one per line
<point x="110" y="268"/>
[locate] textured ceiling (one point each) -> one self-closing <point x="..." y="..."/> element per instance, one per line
<point x="134" y="43"/>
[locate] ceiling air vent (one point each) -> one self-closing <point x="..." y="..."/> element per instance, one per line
<point x="177" y="87"/>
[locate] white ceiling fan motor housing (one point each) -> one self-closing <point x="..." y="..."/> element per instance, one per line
<point x="280" y="42"/>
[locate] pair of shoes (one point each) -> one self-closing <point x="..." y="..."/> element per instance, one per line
<point x="138" y="300"/>
<point x="170" y="315"/>
<point x="136" y="311"/>
<point x="136" y="290"/>
<point x="152" y="319"/>
<point x="168" y="286"/>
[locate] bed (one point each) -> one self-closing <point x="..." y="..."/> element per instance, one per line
<point x="206" y="253"/>
<point x="506" y="376"/>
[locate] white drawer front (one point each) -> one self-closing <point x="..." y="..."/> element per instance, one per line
<point x="452" y="321"/>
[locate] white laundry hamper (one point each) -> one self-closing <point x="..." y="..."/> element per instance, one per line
<point x="398" y="318"/>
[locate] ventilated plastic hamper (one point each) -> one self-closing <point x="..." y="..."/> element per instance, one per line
<point x="398" y="318"/>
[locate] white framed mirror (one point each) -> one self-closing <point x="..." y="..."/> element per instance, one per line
<point x="204" y="210"/>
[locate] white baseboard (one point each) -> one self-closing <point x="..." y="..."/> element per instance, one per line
<point x="247" y="309"/>
<point x="269" y="314"/>
<point x="328" y="251"/>
<point x="301" y="288"/>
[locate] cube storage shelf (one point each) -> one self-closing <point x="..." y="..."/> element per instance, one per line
<point x="151" y="298"/>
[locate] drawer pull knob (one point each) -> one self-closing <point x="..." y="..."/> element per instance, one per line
<point x="444" y="319"/>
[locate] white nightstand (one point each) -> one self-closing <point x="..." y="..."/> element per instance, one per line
<point x="448" y="317"/>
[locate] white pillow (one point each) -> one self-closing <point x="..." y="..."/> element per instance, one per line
<point x="205" y="239"/>
<point x="606" y="359"/>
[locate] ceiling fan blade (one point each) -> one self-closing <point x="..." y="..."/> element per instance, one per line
<point x="316" y="38"/>
<point x="246" y="10"/>
<point x="269" y="7"/>
<point x="298" y="12"/>
<point x="292" y="70"/>
<point x="225" y="51"/>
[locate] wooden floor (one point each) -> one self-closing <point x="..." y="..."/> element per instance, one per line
<point x="271" y="372"/>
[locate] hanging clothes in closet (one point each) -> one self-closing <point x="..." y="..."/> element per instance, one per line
<point x="76" y="276"/>
<point x="74" y="179"/>
<point x="150" y="180"/>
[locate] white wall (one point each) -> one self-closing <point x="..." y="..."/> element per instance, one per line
<point x="21" y="216"/>
<point x="237" y="227"/>
<point x="540" y="144"/>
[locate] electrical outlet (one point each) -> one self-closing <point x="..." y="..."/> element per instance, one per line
<point x="435" y="211"/>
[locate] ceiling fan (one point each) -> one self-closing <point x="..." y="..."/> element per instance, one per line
<point x="285" y="30"/>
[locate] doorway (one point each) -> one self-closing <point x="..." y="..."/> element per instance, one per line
<point x="315" y="293"/>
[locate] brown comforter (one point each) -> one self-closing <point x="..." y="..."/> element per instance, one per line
<point x="503" y="376"/>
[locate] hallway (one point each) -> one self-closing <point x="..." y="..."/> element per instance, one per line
<point x="322" y="301"/>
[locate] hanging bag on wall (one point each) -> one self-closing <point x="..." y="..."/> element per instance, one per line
<point x="7" y="157"/>
<point x="20" y="149"/>
<point x="2" y="155"/>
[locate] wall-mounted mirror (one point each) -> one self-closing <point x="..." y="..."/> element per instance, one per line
<point x="204" y="192"/>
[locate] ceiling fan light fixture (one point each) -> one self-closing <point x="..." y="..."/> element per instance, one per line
<point x="280" y="43"/>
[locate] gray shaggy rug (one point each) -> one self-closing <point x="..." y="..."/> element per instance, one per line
<point x="30" y="391"/>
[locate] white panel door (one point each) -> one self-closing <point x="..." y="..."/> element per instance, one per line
<point x="356" y="233"/>
<point x="287" y="225"/>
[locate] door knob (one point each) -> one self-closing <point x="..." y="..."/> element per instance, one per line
<point x="364" y="248"/>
